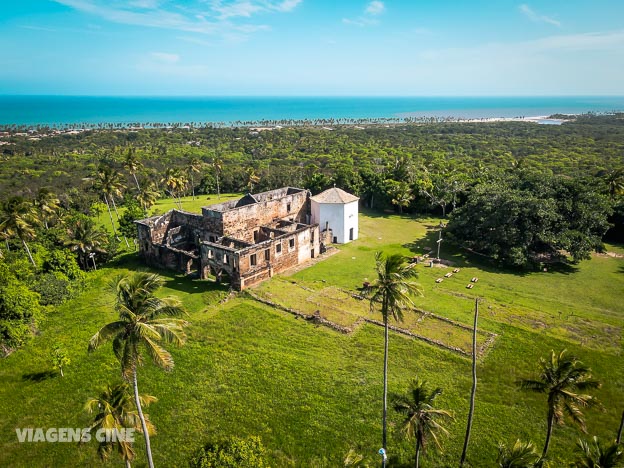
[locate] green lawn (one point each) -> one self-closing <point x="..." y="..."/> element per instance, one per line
<point x="312" y="393"/>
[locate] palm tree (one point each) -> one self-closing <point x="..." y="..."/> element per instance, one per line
<point x="147" y="196"/>
<point x="596" y="455"/>
<point x="217" y="164"/>
<point x="175" y="182"/>
<point x="615" y="183"/>
<point x="252" y="178"/>
<point x="194" y="166"/>
<point x="145" y="321"/>
<point x="18" y="218"/>
<point x="421" y="421"/>
<point x="392" y="290"/>
<point x="47" y="203"/>
<point x="108" y="182"/>
<point x="520" y="455"/>
<point x="114" y="410"/>
<point x="563" y="378"/>
<point x="84" y="238"/>
<point x="133" y="164"/>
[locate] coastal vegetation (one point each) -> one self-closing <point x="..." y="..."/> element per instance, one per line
<point x="531" y="211"/>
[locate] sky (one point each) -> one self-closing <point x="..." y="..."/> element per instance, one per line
<point x="312" y="47"/>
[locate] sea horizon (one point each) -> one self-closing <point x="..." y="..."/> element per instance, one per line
<point x="57" y="109"/>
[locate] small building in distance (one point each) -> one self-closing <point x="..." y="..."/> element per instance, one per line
<point x="243" y="241"/>
<point x="336" y="211"/>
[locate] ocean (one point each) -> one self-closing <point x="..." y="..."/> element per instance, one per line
<point x="93" y="110"/>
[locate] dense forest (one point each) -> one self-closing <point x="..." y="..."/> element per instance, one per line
<point x="518" y="193"/>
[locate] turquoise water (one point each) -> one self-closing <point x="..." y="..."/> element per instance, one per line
<point x="49" y="110"/>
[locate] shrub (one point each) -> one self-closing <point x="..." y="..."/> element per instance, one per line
<point x="235" y="452"/>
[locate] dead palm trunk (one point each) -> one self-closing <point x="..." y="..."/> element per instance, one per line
<point x="474" y="384"/>
<point x="136" y="181"/>
<point x="137" y="401"/>
<point x="619" y="435"/>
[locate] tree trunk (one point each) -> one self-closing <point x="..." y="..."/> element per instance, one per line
<point x="474" y="384"/>
<point x="6" y="242"/>
<point x="619" y="435"/>
<point x="117" y="214"/>
<point x="385" y="385"/>
<point x="551" y="417"/>
<point x="417" y="459"/>
<point x="137" y="401"/>
<point x="218" y="190"/>
<point x="110" y="215"/>
<point x="28" y="252"/>
<point x="61" y="369"/>
<point x="136" y="181"/>
<point x="128" y="463"/>
<point x="193" y="187"/>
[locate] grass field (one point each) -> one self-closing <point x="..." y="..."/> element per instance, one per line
<point x="312" y="393"/>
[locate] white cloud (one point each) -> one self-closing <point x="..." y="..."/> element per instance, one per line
<point x="375" y="8"/>
<point x="536" y="17"/>
<point x="219" y="19"/>
<point x="165" y="57"/>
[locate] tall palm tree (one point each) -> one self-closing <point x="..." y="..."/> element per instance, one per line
<point x="175" y="182"/>
<point x="422" y="419"/>
<point x="391" y="291"/>
<point x="520" y="455"/>
<point x="597" y="455"/>
<point x="133" y="164"/>
<point x="147" y="196"/>
<point x="17" y="219"/>
<point x="47" y="203"/>
<point x="145" y="321"/>
<point x="194" y="166"/>
<point x="252" y="179"/>
<point x="615" y="183"/>
<point x="114" y="410"/>
<point x="563" y="379"/>
<point x="108" y="182"/>
<point x="84" y="238"/>
<point x="217" y="164"/>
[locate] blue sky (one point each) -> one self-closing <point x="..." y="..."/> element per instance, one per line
<point x="312" y="47"/>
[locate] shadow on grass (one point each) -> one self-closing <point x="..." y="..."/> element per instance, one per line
<point x="192" y="284"/>
<point x="463" y="258"/>
<point x="39" y="376"/>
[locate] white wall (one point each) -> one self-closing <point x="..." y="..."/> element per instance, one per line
<point x="340" y="217"/>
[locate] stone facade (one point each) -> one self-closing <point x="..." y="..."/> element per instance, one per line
<point x="242" y="241"/>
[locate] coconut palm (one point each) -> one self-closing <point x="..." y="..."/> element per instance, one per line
<point x="17" y="219"/>
<point x="563" y="379"/>
<point x="252" y="179"/>
<point x="597" y="455"/>
<point x="520" y="455"/>
<point x="391" y="292"/>
<point x="47" y="204"/>
<point x="194" y="165"/>
<point x="147" y="196"/>
<point x="175" y="182"/>
<point x="615" y="183"/>
<point x="84" y="238"/>
<point x="133" y="164"/>
<point x="217" y="164"/>
<point x="422" y="419"/>
<point x="108" y="183"/>
<point x="114" y="410"/>
<point x="145" y="322"/>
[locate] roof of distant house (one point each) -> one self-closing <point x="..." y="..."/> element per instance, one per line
<point x="334" y="195"/>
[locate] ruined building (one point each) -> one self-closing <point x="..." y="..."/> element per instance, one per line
<point x="243" y="241"/>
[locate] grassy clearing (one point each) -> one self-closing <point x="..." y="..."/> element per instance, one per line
<point x="312" y="393"/>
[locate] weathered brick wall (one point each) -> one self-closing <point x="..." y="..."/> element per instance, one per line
<point x="243" y="221"/>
